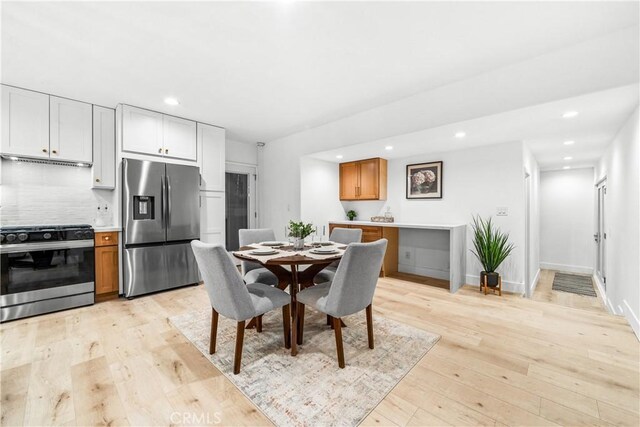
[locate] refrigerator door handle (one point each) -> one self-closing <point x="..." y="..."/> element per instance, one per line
<point x="168" y="202"/>
<point x="163" y="202"/>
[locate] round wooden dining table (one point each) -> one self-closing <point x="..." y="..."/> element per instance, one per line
<point x="294" y="277"/>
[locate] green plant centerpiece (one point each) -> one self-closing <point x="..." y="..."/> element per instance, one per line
<point x="491" y="247"/>
<point x="299" y="231"/>
<point x="352" y="215"/>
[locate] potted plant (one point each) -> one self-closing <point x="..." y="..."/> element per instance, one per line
<point x="352" y="215"/>
<point x="299" y="230"/>
<point x="491" y="247"/>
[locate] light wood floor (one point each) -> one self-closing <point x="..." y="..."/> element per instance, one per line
<point x="544" y="293"/>
<point x="501" y="361"/>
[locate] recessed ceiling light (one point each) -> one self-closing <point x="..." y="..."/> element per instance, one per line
<point x="460" y="134"/>
<point x="568" y="158"/>
<point x="171" y="101"/>
<point x="569" y="142"/>
<point x="570" y="114"/>
<point x="339" y="156"/>
<point x="388" y="148"/>
<point x="566" y="167"/>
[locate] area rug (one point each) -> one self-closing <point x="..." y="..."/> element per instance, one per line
<point x="574" y="283"/>
<point x="310" y="389"/>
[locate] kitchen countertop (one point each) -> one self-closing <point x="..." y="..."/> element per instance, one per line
<point x="400" y="224"/>
<point x="106" y="229"/>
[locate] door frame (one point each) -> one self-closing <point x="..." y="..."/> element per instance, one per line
<point x="601" y="234"/>
<point x="527" y="234"/>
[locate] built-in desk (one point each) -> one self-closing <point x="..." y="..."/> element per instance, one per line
<point x="457" y="244"/>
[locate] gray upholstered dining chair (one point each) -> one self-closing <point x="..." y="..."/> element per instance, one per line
<point x="230" y="297"/>
<point x="343" y="236"/>
<point x="350" y="291"/>
<point x="252" y="271"/>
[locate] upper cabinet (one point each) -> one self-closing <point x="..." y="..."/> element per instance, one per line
<point x="141" y="131"/>
<point x="70" y="130"/>
<point x="211" y="147"/>
<point x="25" y="123"/>
<point x="364" y="180"/>
<point x="40" y="126"/>
<point x="103" y="172"/>
<point x="179" y="136"/>
<point x="149" y="132"/>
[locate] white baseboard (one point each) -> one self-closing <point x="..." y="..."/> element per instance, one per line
<point x="631" y="318"/>
<point x="603" y="295"/>
<point x="580" y="269"/>
<point x="424" y="271"/>
<point x="534" y="283"/>
<point x="514" y="287"/>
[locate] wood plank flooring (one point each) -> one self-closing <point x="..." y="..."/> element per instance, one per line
<point x="501" y="361"/>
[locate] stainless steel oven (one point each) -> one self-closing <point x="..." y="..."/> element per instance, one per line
<point x="45" y="269"/>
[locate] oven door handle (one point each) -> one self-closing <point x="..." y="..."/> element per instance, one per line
<point x="45" y="246"/>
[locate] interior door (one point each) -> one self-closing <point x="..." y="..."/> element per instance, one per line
<point x="183" y="204"/>
<point x="348" y="181"/>
<point x="71" y="130"/>
<point x="368" y="186"/>
<point x="236" y="207"/>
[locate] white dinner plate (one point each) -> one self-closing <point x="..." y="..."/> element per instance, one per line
<point x="265" y="251"/>
<point x="324" y="251"/>
<point x="273" y="243"/>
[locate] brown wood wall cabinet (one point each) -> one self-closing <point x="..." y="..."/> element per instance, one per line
<point x="373" y="233"/>
<point x="106" y="265"/>
<point x="364" y="180"/>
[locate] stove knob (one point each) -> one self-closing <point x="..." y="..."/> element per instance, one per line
<point x="46" y="236"/>
<point x="78" y="234"/>
<point x="88" y="234"/>
<point x="23" y="236"/>
<point x="11" y="237"/>
<point x="1" y="238"/>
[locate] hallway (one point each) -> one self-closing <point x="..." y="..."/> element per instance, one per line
<point x="544" y="293"/>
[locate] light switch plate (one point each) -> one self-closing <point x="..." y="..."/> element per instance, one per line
<point x="502" y="211"/>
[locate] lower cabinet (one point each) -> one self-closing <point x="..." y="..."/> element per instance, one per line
<point x="371" y="233"/>
<point x="106" y="253"/>
<point x="212" y="217"/>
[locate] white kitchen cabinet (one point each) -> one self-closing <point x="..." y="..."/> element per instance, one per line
<point x="179" y="138"/>
<point x="212" y="217"/>
<point x="211" y="149"/>
<point x="103" y="172"/>
<point x="142" y="131"/>
<point x="25" y="123"/>
<point x="70" y="130"/>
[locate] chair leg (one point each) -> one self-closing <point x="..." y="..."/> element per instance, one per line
<point x="370" y="325"/>
<point x="259" y="323"/>
<point x="337" y="327"/>
<point x="237" y="358"/>
<point x="214" y="331"/>
<point x="286" y="322"/>
<point x="329" y="322"/>
<point x="300" y="322"/>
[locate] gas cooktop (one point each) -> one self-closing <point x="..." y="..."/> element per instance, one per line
<point x="45" y="233"/>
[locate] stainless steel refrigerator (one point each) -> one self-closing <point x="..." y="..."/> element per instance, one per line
<point x="161" y="215"/>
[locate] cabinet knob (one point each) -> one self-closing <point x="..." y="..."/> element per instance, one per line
<point x="107" y="238"/>
<point x="44" y="150"/>
<point x="159" y="150"/>
<point x="97" y="179"/>
<point x="54" y="151"/>
<point x="166" y="151"/>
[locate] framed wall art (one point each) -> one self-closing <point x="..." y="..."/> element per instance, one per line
<point x="424" y="181"/>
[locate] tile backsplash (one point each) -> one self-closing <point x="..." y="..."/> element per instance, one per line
<point x="34" y="193"/>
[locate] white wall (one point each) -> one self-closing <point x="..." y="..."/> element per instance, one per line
<point x="567" y="220"/>
<point x="620" y="166"/>
<point x="241" y="152"/>
<point x="319" y="199"/>
<point x="475" y="181"/>
<point x="34" y="193"/>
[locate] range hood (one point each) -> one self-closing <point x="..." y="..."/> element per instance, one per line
<point x="46" y="161"/>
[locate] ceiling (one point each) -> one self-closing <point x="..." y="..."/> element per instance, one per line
<point x="541" y="127"/>
<point x="265" y="70"/>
